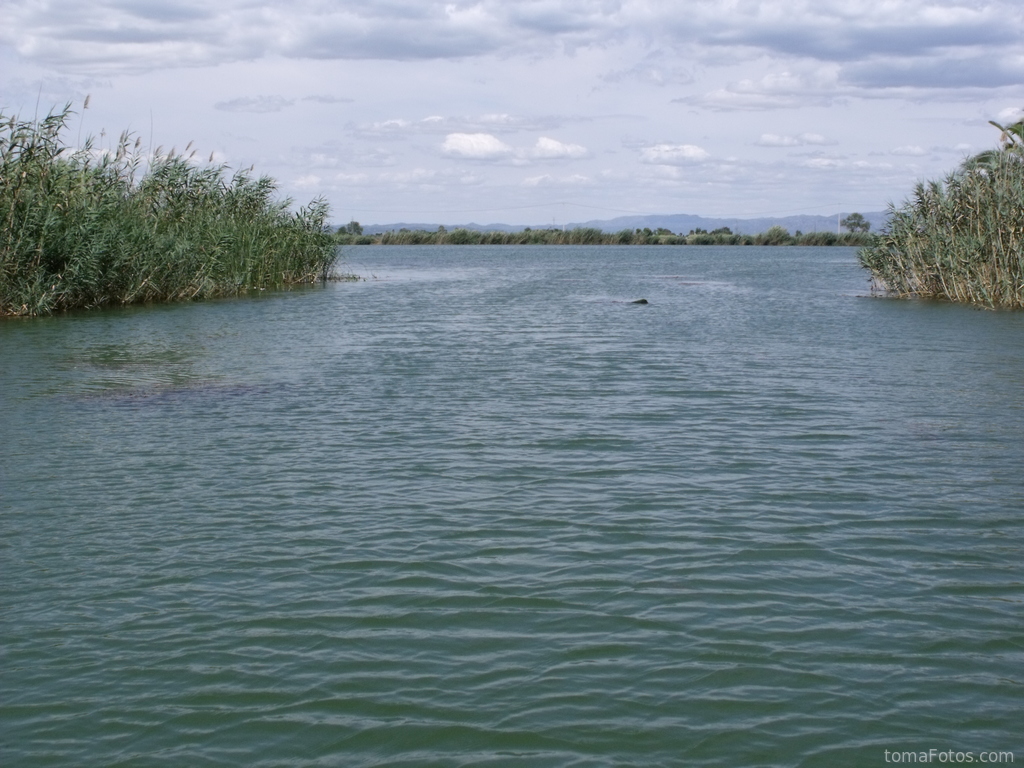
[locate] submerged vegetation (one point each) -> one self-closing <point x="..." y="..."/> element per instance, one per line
<point x="82" y="227"/>
<point x="349" y="235"/>
<point x="961" y="238"/>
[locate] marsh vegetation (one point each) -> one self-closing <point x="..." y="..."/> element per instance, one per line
<point x="960" y="238"/>
<point x="88" y="227"/>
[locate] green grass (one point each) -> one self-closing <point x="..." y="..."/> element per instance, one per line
<point x="86" y="228"/>
<point x="959" y="239"/>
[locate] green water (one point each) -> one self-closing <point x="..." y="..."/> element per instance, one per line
<point x="481" y="510"/>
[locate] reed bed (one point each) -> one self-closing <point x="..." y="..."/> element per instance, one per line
<point x="594" y="236"/>
<point x="89" y="228"/>
<point x="960" y="239"/>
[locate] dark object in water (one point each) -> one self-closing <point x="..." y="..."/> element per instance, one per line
<point x="640" y="301"/>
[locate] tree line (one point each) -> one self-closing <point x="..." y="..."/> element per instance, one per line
<point x="857" y="235"/>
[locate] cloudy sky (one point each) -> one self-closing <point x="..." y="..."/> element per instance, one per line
<point x="537" y="111"/>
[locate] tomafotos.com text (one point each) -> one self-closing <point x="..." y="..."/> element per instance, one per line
<point x="946" y="756"/>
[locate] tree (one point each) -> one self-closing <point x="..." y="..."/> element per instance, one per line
<point x="856" y="223"/>
<point x="353" y="228"/>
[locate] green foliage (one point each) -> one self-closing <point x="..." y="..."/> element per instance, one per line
<point x="528" y="236"/>
<point x="594" y="236"/>
<point x="856" y="223"/>
<point x="775" y="236"/>
<point x="961" y="238"/>
<point x="86" y="228"/>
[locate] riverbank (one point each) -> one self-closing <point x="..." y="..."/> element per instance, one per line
<point x="87" y="227"/>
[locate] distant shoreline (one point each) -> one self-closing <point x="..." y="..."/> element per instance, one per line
<point x="593" y="236"/>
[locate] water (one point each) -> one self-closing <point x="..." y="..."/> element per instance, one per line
<point x="481" y="510"/>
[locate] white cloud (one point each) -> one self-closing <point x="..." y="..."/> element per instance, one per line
<point x="487" y="146"/>
<point x="773" y="140"/>
<point x="476" y="146"/>
<point x="437" y="124"/>
<point x="673" y="154"/>
<point x="547" y="180"/>
<point x="811" y="85"/>
<point x="1010" y="115"/>
<point x="822" y="163"/>
<point x="552" y="149"/>
<point x="255" y="104"/>
<point x="911" y="150"/>
<point x="801" y="140"/>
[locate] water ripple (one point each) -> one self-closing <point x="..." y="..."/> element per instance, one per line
<point x="476" y="510"/>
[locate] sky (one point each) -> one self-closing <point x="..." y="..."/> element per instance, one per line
<point x="536" y="111"/>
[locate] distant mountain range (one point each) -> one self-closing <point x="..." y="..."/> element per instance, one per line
<point x="680" y="223"/>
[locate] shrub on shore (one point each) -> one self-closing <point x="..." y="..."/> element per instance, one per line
<point x="87" y="228"/>
<point x="961" y="238"/>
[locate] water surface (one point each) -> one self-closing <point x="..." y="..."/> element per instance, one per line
<point x="478" y="508"/>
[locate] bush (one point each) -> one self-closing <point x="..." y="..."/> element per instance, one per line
<point x="774" y="236"/>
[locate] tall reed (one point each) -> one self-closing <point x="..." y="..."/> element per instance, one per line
<point x="87" y="228"/>
<point x="961" y="238"/>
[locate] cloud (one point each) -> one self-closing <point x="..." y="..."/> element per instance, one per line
<point x="910" y="150"/>
<point x="983" y="70"/>
<point x="808" y="86"/>
<point x="419" y="178"/>
<point x="822" y="163"/>
<point x="476" y="146"/>
<point x="1009" y="115"/>
<point x="552" y="149"/>
<point x="487" y="146"/>
<point x="324" y="99"/>
<point x="437" y="124"/>
<point x="255" y="104"/>
<point x="673" y="154"/>
<point x="839" y="30"/>
<point x="546" y="180"/>
<point x="658" y="68"/>
<point x="867" y="37"/>
<point x="353" y="179"/>
<point x="804" y="139"/>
